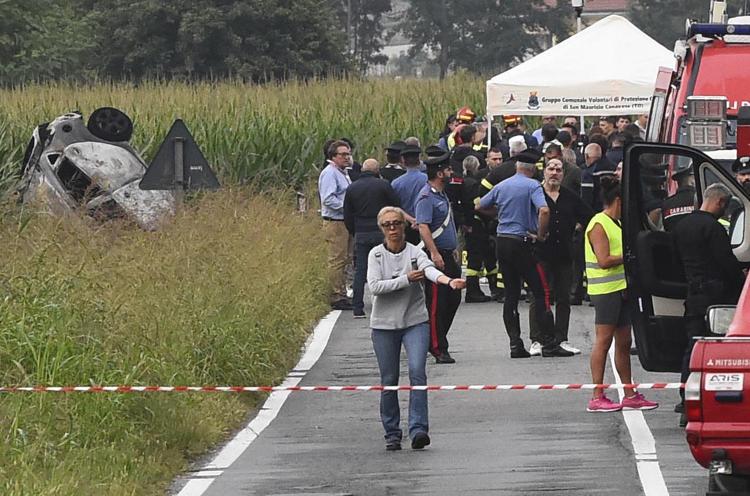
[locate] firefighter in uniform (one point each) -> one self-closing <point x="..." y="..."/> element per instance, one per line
<point x="479" y="251"/>
<point x="714" y="276"/>
<point x="676" y="207"/>
<point x="467" y="137"/>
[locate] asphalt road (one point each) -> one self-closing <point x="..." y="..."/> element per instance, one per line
<point x="483" y="442"/>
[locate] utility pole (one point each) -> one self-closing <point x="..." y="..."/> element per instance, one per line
<point x="578" y="8"/>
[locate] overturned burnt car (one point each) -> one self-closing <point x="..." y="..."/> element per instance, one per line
<point x="71" y="165"/>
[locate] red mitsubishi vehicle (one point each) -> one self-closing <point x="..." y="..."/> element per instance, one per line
<point x="701" y="115"/>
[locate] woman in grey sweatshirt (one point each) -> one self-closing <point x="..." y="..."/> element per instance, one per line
<point x="395" y="271"/>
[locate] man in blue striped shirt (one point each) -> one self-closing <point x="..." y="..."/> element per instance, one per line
<point x="332" y="185"/>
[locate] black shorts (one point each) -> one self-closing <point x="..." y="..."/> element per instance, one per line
<point x="612" y="309"/>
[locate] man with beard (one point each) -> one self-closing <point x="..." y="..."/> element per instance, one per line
<point x="556" y="253"/>
<point x="714" y="276"/>
<point x="438" y="232"/>
<point x="741" y="169"/>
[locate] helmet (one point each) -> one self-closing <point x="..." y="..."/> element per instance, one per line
<point x="465" y="115"/>
<point x="457" y="134"/>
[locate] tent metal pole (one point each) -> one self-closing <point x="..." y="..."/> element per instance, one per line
<point x="489" y="132"/>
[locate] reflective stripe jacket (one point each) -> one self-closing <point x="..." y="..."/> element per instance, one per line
<point x="605" y="281"/>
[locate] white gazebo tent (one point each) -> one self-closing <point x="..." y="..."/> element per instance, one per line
<point x="609" y="68"/>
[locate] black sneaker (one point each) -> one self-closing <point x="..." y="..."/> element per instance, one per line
<point x="393" y="446"/>
<point x="477" y="298"/>
<point x="519" y="352"/>
<point x="359" y="314"/>
<point x="556" y="351"/>
<point x="420" y="440"/>
<point x="679" y="407"/>
<point x="444" y="357"/>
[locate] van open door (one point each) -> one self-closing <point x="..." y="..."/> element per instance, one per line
<point x="656" y="280"/>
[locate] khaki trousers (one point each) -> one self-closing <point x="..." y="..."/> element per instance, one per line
<point x="339" y="242"/>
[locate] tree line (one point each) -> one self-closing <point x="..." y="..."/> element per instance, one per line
<point x="259" y="40"/>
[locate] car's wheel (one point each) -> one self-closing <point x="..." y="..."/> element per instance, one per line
<point x="110" y="124"/>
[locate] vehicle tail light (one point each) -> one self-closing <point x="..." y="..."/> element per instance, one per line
<point x="693" y="409"/>
<point x="707" y="135"/>
<point x="743" y="131"/>
<point x="707" y="108"/>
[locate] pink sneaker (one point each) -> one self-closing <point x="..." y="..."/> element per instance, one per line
<point x="603" y="404"/>
<point x="638" y="402"/>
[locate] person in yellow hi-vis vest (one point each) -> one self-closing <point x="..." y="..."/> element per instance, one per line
<point x="607" y="288"/>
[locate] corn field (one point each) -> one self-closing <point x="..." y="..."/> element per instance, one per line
<point x="270" y="134"/>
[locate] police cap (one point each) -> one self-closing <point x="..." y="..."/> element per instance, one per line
<point x="742" y="164"/>
<point x="410" y="150"/>
<point x="434" y="151"/>
<point x="439" y="162"/>
<point x="396" y="146"/>
<point x="528" y="157"/>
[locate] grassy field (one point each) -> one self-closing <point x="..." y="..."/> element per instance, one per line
<point x="272" y="133"/>
<point x="225" y="295"/>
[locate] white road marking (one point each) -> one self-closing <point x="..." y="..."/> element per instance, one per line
<point x="314" y="347"/>
<point x="644" y="444"/>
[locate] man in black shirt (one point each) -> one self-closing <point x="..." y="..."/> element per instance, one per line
<point x="714" y="276"/>
<point x="394" y="168"/>
<point x="556" y="253"/>
<point x="364" y="199"/>
<point x="596" y="166"/>
<point x="676" y="207"/>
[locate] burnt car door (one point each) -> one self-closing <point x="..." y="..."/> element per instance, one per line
<point x="656" y="280"/>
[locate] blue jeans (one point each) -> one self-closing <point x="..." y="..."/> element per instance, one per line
<point x="363" y="243"/>
<point x="387" y="345"/>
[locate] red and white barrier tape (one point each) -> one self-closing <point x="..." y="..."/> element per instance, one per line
<point x="271" y="389"/>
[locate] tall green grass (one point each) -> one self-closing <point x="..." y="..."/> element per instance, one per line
<point x="272" y="133"/>
<point x="224" y="295"/>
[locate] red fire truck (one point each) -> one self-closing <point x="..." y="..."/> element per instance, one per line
<point x="700" y="120"/>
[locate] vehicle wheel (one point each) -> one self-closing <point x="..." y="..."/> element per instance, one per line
<point x="110" y="124"/>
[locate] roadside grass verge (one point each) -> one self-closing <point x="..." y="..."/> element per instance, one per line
<point x="226" y="294"/>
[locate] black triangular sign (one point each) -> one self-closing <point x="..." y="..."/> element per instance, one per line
<point x="196" y="173"/>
